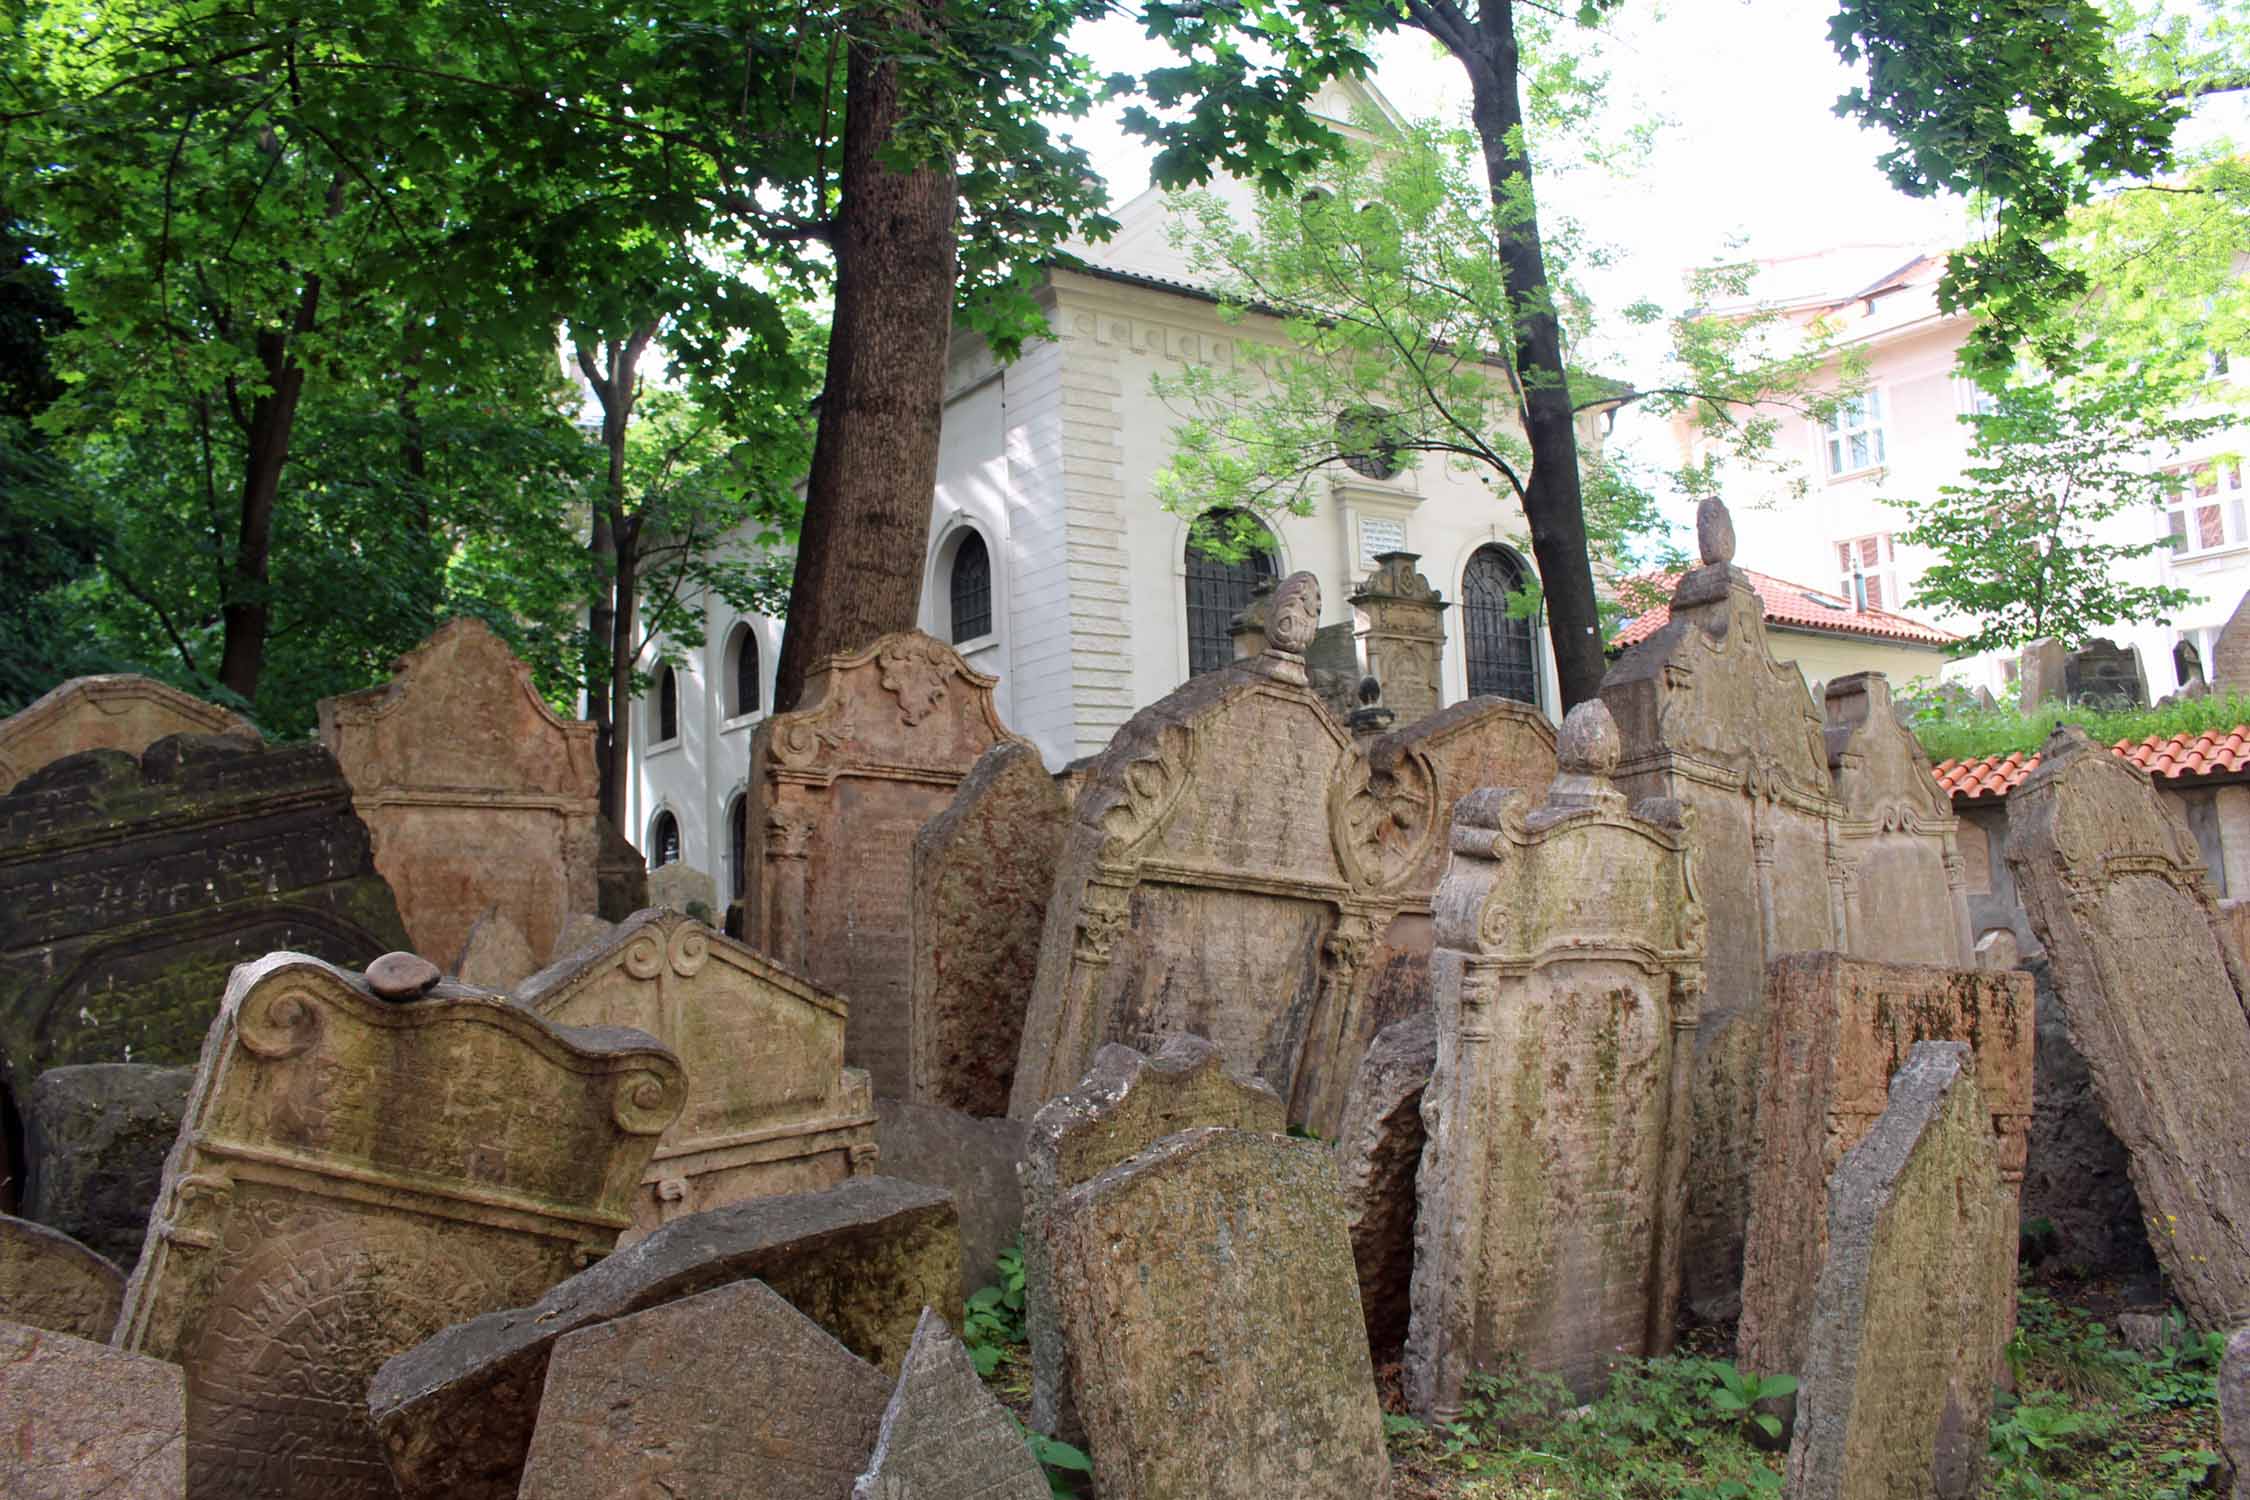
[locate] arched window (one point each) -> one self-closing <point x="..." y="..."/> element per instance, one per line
<point x="663" y="840"/>
<point x="738" y="845"/>
<point x="667" y="704"/>
<point x="972" y="588"/>
<point x="745" y="700"/>
<point x="1502" y="661"/>
<point x="1217" y="589"/>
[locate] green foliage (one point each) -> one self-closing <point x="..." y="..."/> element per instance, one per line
<point x="993" y="1322"/>
<point x="1951" y="730"/>
<point x="1736" y="1393"/>
<point x="1067" y="1467"/>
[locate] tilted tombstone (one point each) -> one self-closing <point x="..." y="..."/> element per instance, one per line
<point x="86" y="1421"/>
<point x="1840" y="1027"/>
<point x="982" y="872"/>
<point x="944" y="1436"/>
<point x="1913" y="1301"/>
<point x="478" y="795"/>
<point x="1379" y="1159"/>
<point x="2154" y="995"/>
<point x="839" y="787"/>
<point x="114" y="712"/>
<point x="1906" y="890"/>
<point x="48" y="1280"/>
<point x="1402" y="632"/>
<point x="96" y="1141"/>
<point x="2103" y="673"/>
<point x="355" y="1173"/>
<point x="2039" y="672"/>
<point x="974" y="1159"/>
<point x="1568" y="976"/>
<point x="771" y="1108"/>
<point x="2229" y="666"/>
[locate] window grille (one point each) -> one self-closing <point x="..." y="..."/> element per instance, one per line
<point x="1502" y="658"/>
<point x="972" y="589"/>
<point x="1217" y="591"/>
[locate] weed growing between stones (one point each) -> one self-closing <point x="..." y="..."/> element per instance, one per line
<point x="993" y="1328"/>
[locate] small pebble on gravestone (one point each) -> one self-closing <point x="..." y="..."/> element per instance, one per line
<point x="402" y="976"/>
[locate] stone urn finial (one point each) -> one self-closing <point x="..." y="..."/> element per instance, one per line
<point x="1295" y="615"/>
<point x="1587" y="750"/>
<point x="1714" y="531"/>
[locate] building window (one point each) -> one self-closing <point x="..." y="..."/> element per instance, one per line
<point x="745" y="699"/>
<point x="1502" y="662"/>
<point x="2206" y="511"/>
<point x="738" y="845"/>
<point x="1218" y="590"/>
<point x="1855" y="434"/>
<point x="971" y="588"/>
<point x="1868" y="572"/>
<point x="663" y="841"/>
<point x="667" y="717"/>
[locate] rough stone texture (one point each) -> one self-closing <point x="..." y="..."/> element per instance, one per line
<point x="838" y="789"/>
<point x="861" y="1260"/>
<point x="982" y="872"/>
<point x="2234" y="1409"/>
<point x="943" y="1436"/>
<point x="48" y="1280"/>
<point x="582" y="930"/>
<point x="96" y="1142"/>
<point x="1402" y="635"/>
<point x="1914" y="1299"/>
<point x="2229" y="666"/>
<point x="731" y="1394"/>
<point x="974" y="1160"/>
<point x="1126" y="1103"/>
<point x="1378" y="1158"/>
<point x="87" y="1422"/>
<point x="2077" y="1176"/>
<point x="1905" y="885"/>
<point x="771" y="1108"/>
<point x="355" y="1174"/>
<point x="2105" y="674"/>
<point x="495" y="955"/>
<point x="1568" y="976"/>
<point x="620" y="876"/>
<point x="2153" y="996"/>
<point x="1840" y="1028"/>
<point x="1207" y="1297"/>
<point x="119" y="712"/>
<point x="2039" y="673"/>
<point x="682" y="887"/>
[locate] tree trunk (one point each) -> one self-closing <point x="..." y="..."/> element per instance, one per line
<point x="613" y="371"/>
<point x="273" y="417"/>
<point x="874" y="465"/>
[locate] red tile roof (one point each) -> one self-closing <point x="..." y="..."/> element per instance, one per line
<point x="2210" y="753"/>
<point x="1791" y="605"/>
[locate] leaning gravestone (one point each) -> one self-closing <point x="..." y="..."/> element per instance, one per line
<point x="1568" y="974"/>
<point x="2230" y="654"/>
<point x="49" y="1280"/>
<point x="973" y="1159"/>
<point x="943" y="1436"/>
<point x="838" y="790"/>
<point x="2154" y="995"/>
<point x="119" y="712"/>
<point x="2105" y="674"/>
<point x="1905" y="887"/>
<point x="2039" y="669"/>
<point x="771" y="1108"/>
<point x="357" y="1171"/>
<point x="1207" y="1299"/>
<point x="96" y="1140"/>
<point x="731" y="1394"/>
<point x="1379" y="1159"/>
<point x="1914" y="1300"/>
<point x="87" y="1422"/>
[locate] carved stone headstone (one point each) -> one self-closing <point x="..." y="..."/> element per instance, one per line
<point x="87" y="1422"/>
<point x="771" y="1108"/>
<point x="1568" y="977"/>
<point x="1905" y="887"/>
<point x="731" y="1394"/>
<point x="355" y="1174"/>
<point x="1378" y="1159"/>
<point x="1211" y="1315"/>
<point x="96" y="1143"/>
<point x="48" y="1280"/>
<point x="838" y="790"/>
<point x="1913" y="1301"/>
<point x="2105" y="674"/>
<point x="2229" y="667"/>
<point x="2116" y="889"/>
<point x="2039" y="673"/>
<point x="862" y="1260"/>
<point x="982" y="872"/>
<point x="944" y="1436"/>
<point x="1402" y="635"/>
<point x="119" y="712"/>
<point x="477" y="793"/>
<point x="1840" y="1027"/>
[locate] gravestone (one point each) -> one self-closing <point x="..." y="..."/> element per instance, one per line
<point x="682" y="887"/>
<point x="356" y="1173"/>
<point x="1402" y="635"/>
<point x="943" y="1436"/>
<point x="731" y="1394"/>
<point x="495" y="955"/>
<point x="982" y="871"/>
<point x="87" y="1422"/>
<point x="96" y="1140"/>
<point x="48" y="1280"/>
<point x="2117" y="890"/>
<point x="1905" y="886"/>
<point x="478" y="795"/>
<point x="2187" y="669"/>
<point x="2039" y="673"/>
<point x="771" y="1108"/>
<point x="838" y="789"/>
<point x="1840" y="1028"/>
<point x="1913" y="1301"/>
<point x="1208" y="1303"/>
<point x="1568" y="976"/>
<point x="2104" y="674"/>
<point x="116" y="712"/>
<point x="1378" y="1159"/>
<point x="2234" y="1409"/>
<point x="620" y="874"/>
<point x="862" y="1260"/>
<point x="2229" y="666"/>
<point x="2077" y="1176"/>
<point x="973" y="1159"/>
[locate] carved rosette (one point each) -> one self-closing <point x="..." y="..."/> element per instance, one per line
<point x="645" y="1102"/>
<point x="1382" y="821"/>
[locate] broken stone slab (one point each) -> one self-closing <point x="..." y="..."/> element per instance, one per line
<point x="88" y="1422"/>
<point x="48" y="1280"/>
<point x="96" y="1141"/>
<point x="974" y="1160"/>
<point x="113" y="712"/>
<point x="862" y="1259"/>
<point x="1915" y="1297"/>
<point x="944" y="1436"/>
<point x="1379" y="1158"/>
<point x="731" y="1394"/>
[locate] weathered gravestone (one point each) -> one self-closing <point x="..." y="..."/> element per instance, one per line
<point x="118" y="712"/>
<point x="96" y="1140"/>
<point x="1208" y="1303"/>
<point x="982" y="871"/>
<point x="2103" y="673"/>
<point x="479" y="796"/>
<point x="771" y="1108"/>
<point x="1913" y="1301"/>
<point x="495" y="955"/>
<point x="620" y="876"/>
<point x="731" y="1394"/>
<point x="944" y="1436"/>
<point x="2229" y="666"/>
<point x="87" y="1422"/>
<point x="862" y="1260"/>
<point x="1378" y="1159"/>
<point x="838" y="790"/>
<point x="1904" y="884"/>
<point x="1126" y="1103"/>
<point x="2154" y="997"/>
<point x="682" y="887"/>
<point x="2039" y="671"/>
<point x="974" y="1159"/>
<point x="1402" y="633"/>
<point x="2234" y="1409"/>
<point x="1840" y="1028"/>
<point x="48" y="1280"/>
<point x="355" y="1174"/>
<point x="1568" y="976"/>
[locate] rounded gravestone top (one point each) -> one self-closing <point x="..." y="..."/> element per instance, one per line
<point x="1714" y="531"/>
<point x="1295" y="614"/>
<point x="402" y="976"/>
<point x="1588" y="744"/>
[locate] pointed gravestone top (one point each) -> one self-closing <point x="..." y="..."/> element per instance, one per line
<point x="2229" y="666"/>
<point x="944" y="1437"/>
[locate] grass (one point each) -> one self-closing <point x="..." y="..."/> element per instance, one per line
<point x="1951" y="730"/>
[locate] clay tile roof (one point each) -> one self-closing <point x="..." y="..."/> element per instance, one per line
<point x="2208" y="753"/>
<point x="1791" y="605"/>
